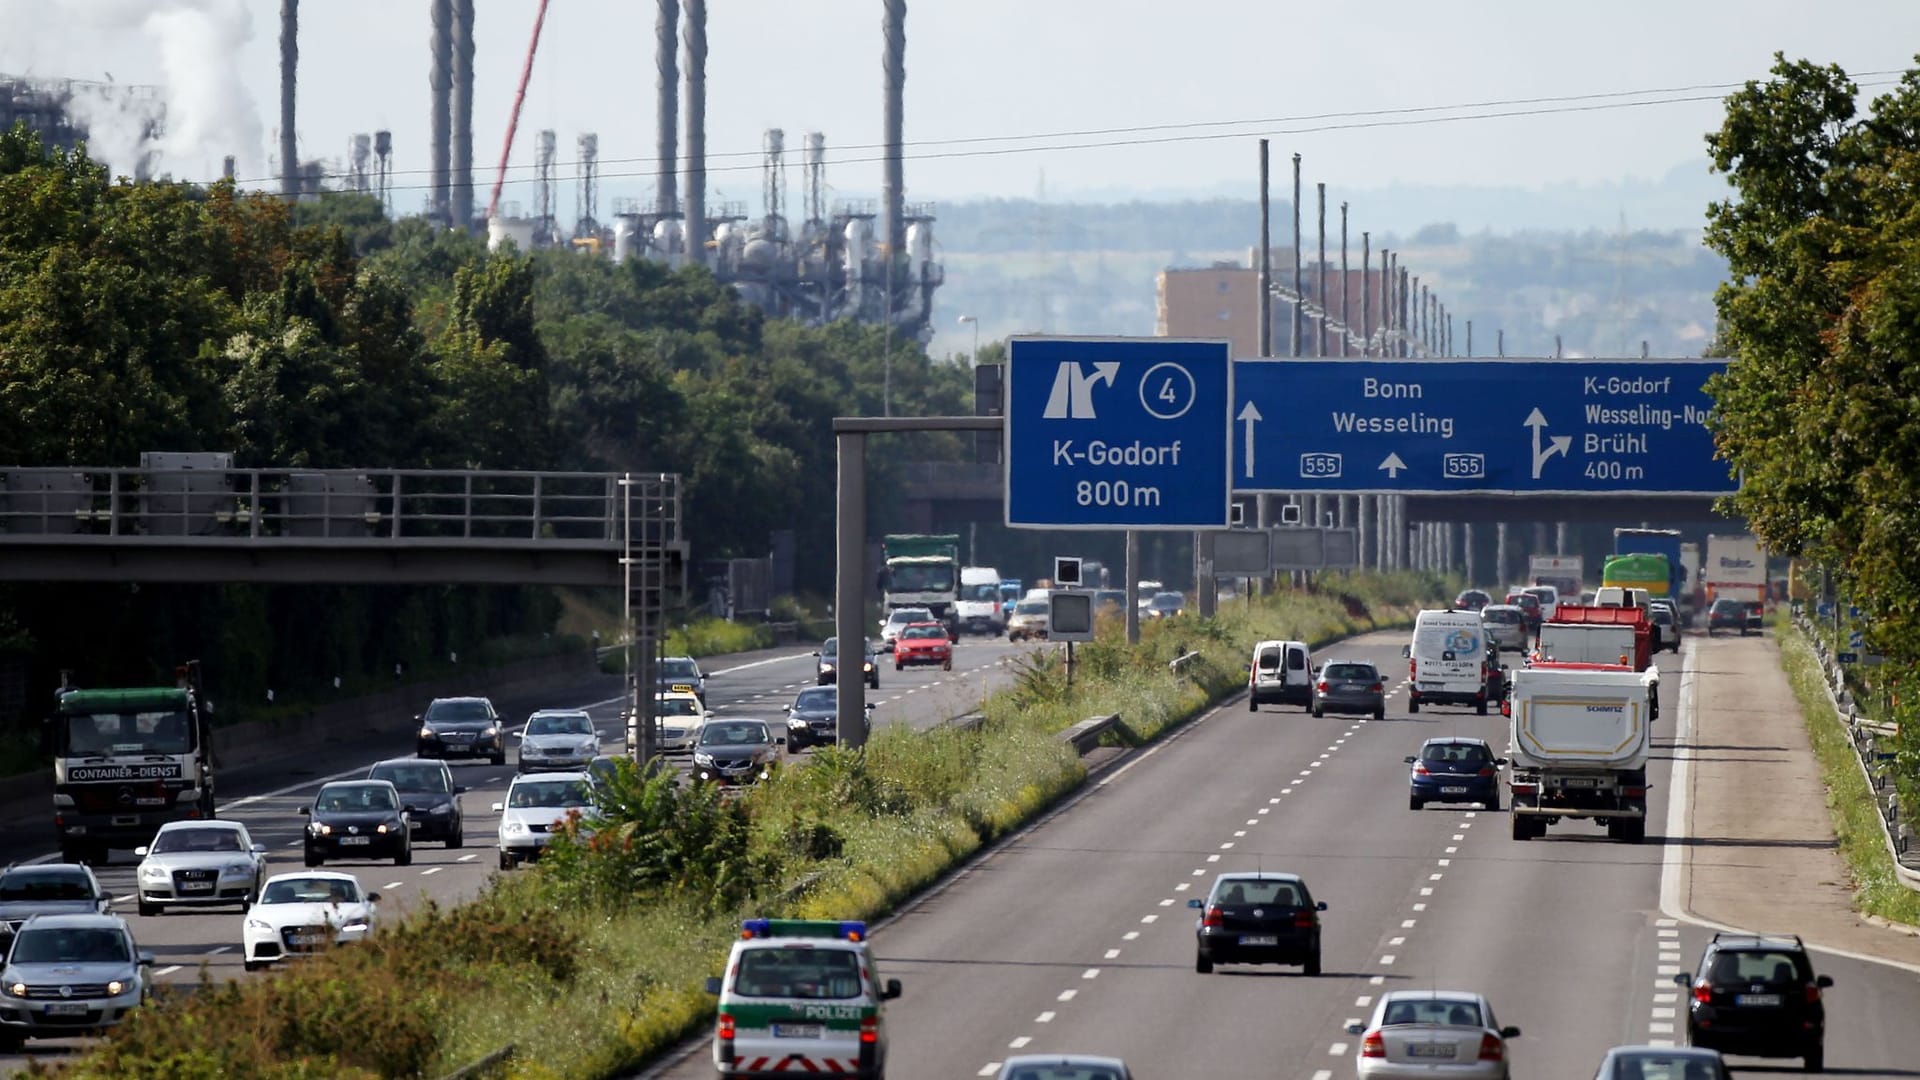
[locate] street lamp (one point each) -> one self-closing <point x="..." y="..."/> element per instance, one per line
<point x="964" y="320"/>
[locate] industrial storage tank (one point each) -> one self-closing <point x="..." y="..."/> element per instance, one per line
<point x="858" y="233"/>
<point x="727" y="242"/>
<point x="920" y="243"/>
<point x="626" y="237"/>
<point x="502" y="229"/>
<point x="669" y="240"/>
<point x="759" y="253"/>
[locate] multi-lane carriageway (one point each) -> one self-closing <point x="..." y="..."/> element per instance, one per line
<point x="1073" y="936"/>
<point x="267" y="799"/>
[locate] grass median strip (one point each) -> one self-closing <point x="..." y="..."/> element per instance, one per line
<point x="592" y="962"/>
<point x="1856" y="817"/>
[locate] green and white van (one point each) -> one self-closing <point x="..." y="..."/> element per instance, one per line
<point x="801" y="997"/>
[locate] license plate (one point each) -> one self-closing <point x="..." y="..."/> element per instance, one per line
<point x="1756" y="999"/>
<point x="1259" y="939"/>
<point x="196" y="886"/>
<point x="1581" y="781"/>
<point x="307" y="939"/>
<point x="1430" y="1050"/>
<point x="1453" y="791"/>
<point x="67" y="1008"/>
<point x="798" y="1031"/>
<point x="348" y="841"/>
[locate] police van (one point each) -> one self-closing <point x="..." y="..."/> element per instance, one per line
<point x="1449" y="660"/>
<point x="801" y="997"/>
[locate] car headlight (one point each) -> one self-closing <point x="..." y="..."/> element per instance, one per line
<point x="259" y="924"/>
<point x="426" y="732"/>
<point x="514" y="828"/>
<point x="443" y="808"/>
<point x="702" y="758"/>
<point x="18" y="989"/>
<point x="489" y="732"/>
<point x="868" y="666"/>
<point x="389" y="826"/>
<point x="321" y="828"/>
<point x="826" y="667"/>
<point x="114" y="987"/>
<point x="240" y="868"/>
<point x="155" y="873"/>
<point x="795" y="721"/>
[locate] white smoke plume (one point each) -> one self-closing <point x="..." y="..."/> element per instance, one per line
<point x="196" y="46"/>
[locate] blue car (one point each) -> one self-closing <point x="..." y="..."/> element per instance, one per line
<point x="1454" y="770"/>
<point x="1010" y="594"/>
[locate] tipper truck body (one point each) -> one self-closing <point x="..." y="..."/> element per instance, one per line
<point x="1579" y="737"/>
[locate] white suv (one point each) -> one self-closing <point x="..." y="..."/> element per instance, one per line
<point x="537" y="805"/>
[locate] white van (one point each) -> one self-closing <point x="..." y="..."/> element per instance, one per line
<point x="1549" y="597"/>
<point x="1280" y="671"/>
<point x="801" y="997"/>
<point x="1622" y="596"/>
<point x="1449" y="660"/>
<point x="978" y="609"/>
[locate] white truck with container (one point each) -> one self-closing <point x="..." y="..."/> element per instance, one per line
<point x="1566" y="573"/>
<point x="1579" y="736"/>
<point x="1736" y="568"/>
<point x="979" y="608"/>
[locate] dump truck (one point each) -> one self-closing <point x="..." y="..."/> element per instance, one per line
<point x="923" y="571"/>
<point x="1579" y="736"/>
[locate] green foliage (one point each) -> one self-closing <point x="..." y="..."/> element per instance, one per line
<point x="649" y="838"/>
<point x="1817" y="409"/>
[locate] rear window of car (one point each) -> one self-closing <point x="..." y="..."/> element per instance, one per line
<point x="1504" y="615"/>
<point x="920" y="633"/>
<point x="28" y="884"/>
<point x="1466" y="753"/>
<point x="1446" y="1013"/>
<point x="1770" y="966"/>
<point x="1351" y="671"/>
<point x="798" y="972"/>
<point x="1062" y="1072"/>
<point x="1236" y="891"/>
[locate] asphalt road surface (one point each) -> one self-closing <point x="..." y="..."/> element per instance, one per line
<point x="267" y="799"/>
<point x="1075" y="937"/>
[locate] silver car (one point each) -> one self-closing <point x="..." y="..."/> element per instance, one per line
<point x="536" y="807"/>
<point x="68" y="975"/>
<point x="1506" y="626"/>
<point x="1662" y="1063"/>
<point x="1062" y="1067"/>
<point x="199" y="864"/>
<point x="1349" y="686"/>
<point x="1415" y="1032"/>
<point x="563" y="739"/>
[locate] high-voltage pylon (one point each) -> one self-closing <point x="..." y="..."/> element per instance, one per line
<point x="589" y="150"/>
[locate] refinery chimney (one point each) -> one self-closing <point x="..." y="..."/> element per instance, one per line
<point x="894" y="64"/>
<point x="440" y="78"/>
<point x="289" y="61"/>
<point x="667" y="114"/>
<point x="461" y="158"/>
<point x="696" y="205"/>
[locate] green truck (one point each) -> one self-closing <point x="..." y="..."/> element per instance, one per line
<point x="126" y="761"/>
<point x="922" y="570"/>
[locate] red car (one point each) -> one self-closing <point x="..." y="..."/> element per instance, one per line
<point x="923" y="643"/>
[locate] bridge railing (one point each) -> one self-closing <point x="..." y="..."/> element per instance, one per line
<point x="393" y="505"/>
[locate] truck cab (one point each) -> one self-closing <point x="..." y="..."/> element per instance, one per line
<point x="126" y="761"/>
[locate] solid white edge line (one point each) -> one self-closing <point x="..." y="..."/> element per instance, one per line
<point x="1673" y="869"/>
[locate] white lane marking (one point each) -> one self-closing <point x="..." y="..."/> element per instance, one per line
<point x="1241" y="832"/>
<point x="1666" y="1013"/>
<point x="168" y="970"/>
<point x="1363" y="1001"/>
<point x="1667" y="933"/>
<point x="1397" y="941"/>
<point x="1266" y="809"/>
<point x="1272" y="801"/>
<point x="1470" y="813"/>
<point x="1323" y="757"/>
<point x="431" y="872"/>
<point x="1407" y="924"/>
<point x="1113" y="954"/>
<point x="1044" y="1018"/>
<point x="1666" y="998"/>
<point x="1458" y="836"/>
<point x="1090" y="973"/>
<point x="1323" y="1074"/>
<point x="1426" y="891"/>
<point x="1667" y="922"/>
<point x="1660" y="1029"/>
<point x="1667" y="969"/>
<point x="1199" y="873"/>
<point x="1149" y="919"/>
<point x="1168" y="902"/>
<point x="1659" y="1042"/>
<point x="218" y="949"/>
<point x="1377" y="980"/>
<point x="1019" y="1042"/>
<point x="1313" y="764"/>
<point x="467" y="858"/>
<point x="1131" y="935"/>
<point x="1253" y="821"/>
<point x="1419" y="907"/>
<point x="1067" y="995"/>
<point x="1387" y="959"/>
<point x="992" y="1068"/>
<point x="1228" y="846"/>
<point x="1284" y="791"/>
<point x="1446" y="862"/>
<point x="1453" y="851"/>
<point x="393" y="884"/>
<point x="1213" y="858"/>
<point x="123" y="899"/>
<point x="1336" y="1049"/>
<point x="1435" y="877"/>
<point x="1183" y="886"/>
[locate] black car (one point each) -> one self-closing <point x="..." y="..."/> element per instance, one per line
<point x="1258" y="918"/>
<point x="358" y="819"/>
<point x="682" y="674"/>
<point x="1472" y="599"/>
<point x="830" y="665"/>
<point x="1727" y="614"/>
<point x="47" y="889"/>
<point x="814" y="716"/>
<point x="1756" y="994"/>
<point x="736" y="751"/>
<point x="428" y="787"/>
<point x="461" y="727"/>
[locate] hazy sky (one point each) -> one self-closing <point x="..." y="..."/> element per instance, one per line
<point x="982" y="69"/>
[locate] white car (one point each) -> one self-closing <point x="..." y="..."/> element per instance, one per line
<point x="899" y="619"/>
<point x="199" y="864"/>
<point x="558" y="739"/>
<point x="1430" y="1033"/>
<point x="305" y="912"/>
<point x="536" y="805"/>
<point x="681" y="718"/>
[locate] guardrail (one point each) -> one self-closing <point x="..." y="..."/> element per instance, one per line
<point x="1179" y="663"/>
<point x="486" y="1066"/>
<point x="1876" y="765"/>
<point x="1085" y="735"/>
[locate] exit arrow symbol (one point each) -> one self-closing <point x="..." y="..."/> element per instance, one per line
<point x="1393" y="465"/>
<point x="1558" y="444"/>
<point x="1248" y="415"/>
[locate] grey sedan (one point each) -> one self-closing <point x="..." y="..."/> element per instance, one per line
<point x="1063" y="1067"/>
<point x="1350" y="686"/>
<point x="197" y="863"/>
<point x="1661" y="1063"/>
<point x="1506" y="626"/>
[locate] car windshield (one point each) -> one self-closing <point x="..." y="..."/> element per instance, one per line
<point x="1504" y="615"/>
<point x="735" y="733"/>
<point x="1660" y="615"/>
<point x="549" y="793"/>
<point x="1441" y="1012"/>
<point x="988" y="593"/>
<point x="1168" y="601"/>
<point x="922" y="633"/>
<point x="1524" y="600"/>
<point x="202" y="839"/>
<point x="1053" y="1071"/>
<point x="1350" y="671"/>
<point x="1030" y="607"/>
<point x="70" y="945"/>
<point x="798" y="972"/>
<point x="1727" y="605"/>
<point x="311" y="890"/>
<point x="903" y="616"/>
<point x="824" y="697"/>
<point x="1665" y="1065"/>
<point x="831" y="647"/>
<point x="29" y="884"/>
<point x="1232" y="892"/>
<point x="679" y="669"/>
<point x="1462" y="753"/>
<point x="458" y="712"/>
<point x="358" y="797"/>
<point x="560" y="724"/>
<point x="1755" y="966"/>
<point x="422" y="778"/>
<point x="678" y="706"/>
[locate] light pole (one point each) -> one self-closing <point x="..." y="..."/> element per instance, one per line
<point x="964" y="320"/>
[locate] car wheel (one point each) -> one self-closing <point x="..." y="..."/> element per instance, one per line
<point x="1413" y="704"/>
<point x="873" y="683"/>
<point x="1316" y="711"/>
<point x="506" y="861"/>
<point x="1522" y="828"/>
<point x="405" y="858"/>
<point x="1312" y="966"/>
<point x="11" y="1042"/>
<point x="1202" y="963"/>
<point x="948" y="666"/>
<point x="1480" y="707"/>
<point x="1415" y="802"/>
<point x="499" y="758"/>
<point x="252" y="965"/>
<point x="1493" y="802"/>
<point x="457" y="837"/>
<point x="1253" y="703"/>
<point x="150" y="910"/>
<point x="313" y="858"/>
<point x="1816" y="1060"/>
<point x="1380" y="714"/>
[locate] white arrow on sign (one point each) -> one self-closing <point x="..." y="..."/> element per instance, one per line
<point x="1558" y="444"/>
<point x="1249" y="414"/>
<point x="1393" y="465"/>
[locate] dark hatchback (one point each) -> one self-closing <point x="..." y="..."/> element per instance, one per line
<point x="357" y="819"/>
<point x="1454" y="770"/>
<point x="1758" y="995"/>
<point x="1727" y="613"/>
<point x="47" y="889"/>
<point x="1472" y="600"/>
<point x="461" y="727"/>
<point x="428" y="787"/>
<point x="1349" y="686"/>
<point x="1258" y="918"/>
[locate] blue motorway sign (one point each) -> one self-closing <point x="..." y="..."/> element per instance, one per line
<point x="1118" y="433"/>
<point x="1443" y="427"/>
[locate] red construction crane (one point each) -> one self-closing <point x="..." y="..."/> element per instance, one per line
<point x="513" y="121"/>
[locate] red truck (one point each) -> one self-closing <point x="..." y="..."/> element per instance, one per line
<point x="1582" y="634"/>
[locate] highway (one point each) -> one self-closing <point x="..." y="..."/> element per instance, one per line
<point x="267" y="800"/>
<point x="1074" y="935"/>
